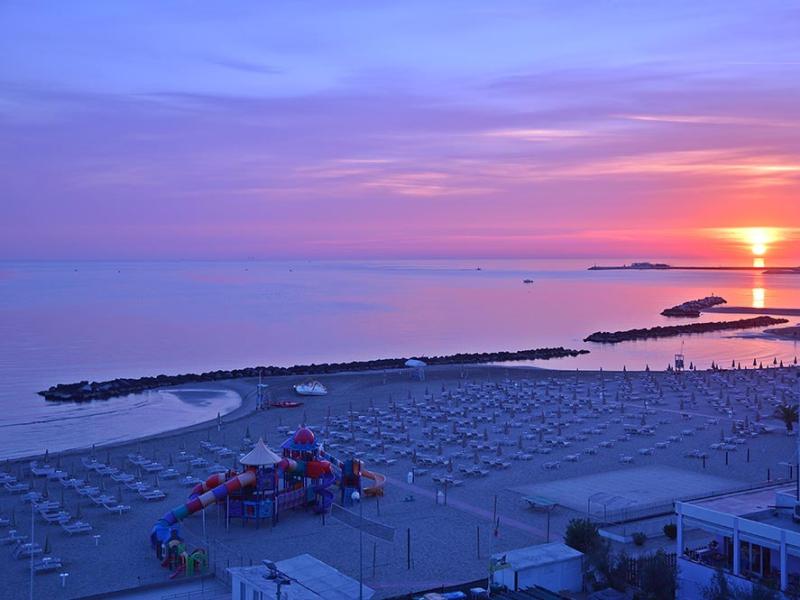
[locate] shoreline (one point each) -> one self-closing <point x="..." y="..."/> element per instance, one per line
<point x="83" y="391"/>
<point x="244" y="387"/>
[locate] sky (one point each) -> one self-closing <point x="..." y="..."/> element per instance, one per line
<point x="160" y="130"/>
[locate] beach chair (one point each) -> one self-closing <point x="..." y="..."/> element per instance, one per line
<point x="27" y="550"/>
<point x="117" y="508"/>
<point x="123" y="477"/>
<point x="13" y="537"/>
<point x="17" y="488"/>
<point x="58" y="475"/>
<point x="47" y="564"/>
<point x="76" y="527"/>
<point x="153" y="495"/>
<point x="59" y="517"/>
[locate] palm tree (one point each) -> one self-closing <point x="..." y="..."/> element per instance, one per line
<point x="788" y="414"/>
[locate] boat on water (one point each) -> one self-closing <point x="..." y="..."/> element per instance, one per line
<point x="310" y="388"/>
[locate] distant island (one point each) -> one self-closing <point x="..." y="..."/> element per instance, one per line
<point x="84" y="391"/>
<point x="605" y="337"/>
<point x="648" y="266"/>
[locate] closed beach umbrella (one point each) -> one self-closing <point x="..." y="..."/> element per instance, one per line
<point x="46" y="455"/>
<point x="46" y="545"/>
<point x="78" y="511"/>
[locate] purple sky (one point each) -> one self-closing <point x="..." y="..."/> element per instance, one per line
<point x="392" y="129"/>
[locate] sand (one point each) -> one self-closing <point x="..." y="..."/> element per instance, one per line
<point x="448" y="543"/>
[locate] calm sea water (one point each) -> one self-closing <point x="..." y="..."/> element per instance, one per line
<point x="65" y="321"/>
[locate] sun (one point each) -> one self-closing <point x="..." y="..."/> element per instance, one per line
<point x="758" y="238"/>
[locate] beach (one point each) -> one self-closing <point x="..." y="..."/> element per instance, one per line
<point x="557" y="433"/>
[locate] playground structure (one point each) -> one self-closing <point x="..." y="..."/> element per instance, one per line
<point x="304" y="475"/>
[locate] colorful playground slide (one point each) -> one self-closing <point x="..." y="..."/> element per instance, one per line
<point x="161" y="530"/>
<point x="377" y="488"/>
<point x="326" y="495"/>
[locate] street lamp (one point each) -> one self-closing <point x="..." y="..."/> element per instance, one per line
<point x="356" y="497"/>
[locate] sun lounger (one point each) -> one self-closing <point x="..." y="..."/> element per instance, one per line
<point x="17" y="488"/>
<point x="58" y="475"/>
<point x="153" y="467"/>
<point x="27" y="550"/>
<point x="47" y="564"/>
<point x="137" y="486"/>
<point x="60" y="516"/>
<point x="123" y="477"/>
<point x="103" y="499"/>
<point x="47" y="506"/>
<point x="42" y="471"/>
<point x="152" y="495"/>
<point x="117" y="508"/>
<point x="13" y="537"/>
<point x="32" y="497"/>
<point x="76" y="527"/>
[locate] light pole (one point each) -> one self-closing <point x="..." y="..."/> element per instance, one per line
<point x="356" y="497"/>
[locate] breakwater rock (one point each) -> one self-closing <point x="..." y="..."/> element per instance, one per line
<point x="605" y="337"/>
<point x="83" y="391"/>
<point x="693" y="308"/>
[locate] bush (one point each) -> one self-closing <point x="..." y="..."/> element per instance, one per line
<point x="583" y="535"/>
<point x="659" y="579"/>
<point x="671" y="530"/>
<point x="639" y="538"/>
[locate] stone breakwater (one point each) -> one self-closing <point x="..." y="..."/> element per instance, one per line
<point x="605" y="337"/>
<point x="83" y="391"/>
<point x="693" y="308"/>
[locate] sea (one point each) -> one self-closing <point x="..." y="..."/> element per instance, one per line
<point x="70" y="321"/>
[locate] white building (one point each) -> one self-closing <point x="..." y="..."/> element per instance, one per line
<point x="555" y="567"/>
<point x="751" y="536"/>
<point x="311" y="579"/>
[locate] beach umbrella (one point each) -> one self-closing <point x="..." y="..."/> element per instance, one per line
<point x="78" y="511"/>
<point x="219" y="421"/>
<point x="46" y="455"/>
<point x="13" y="520"/>
<point x="46" y="545"/>
<point x="62" y="496"/>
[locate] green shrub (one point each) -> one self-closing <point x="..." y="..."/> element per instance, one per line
<point x="671" y="530"/>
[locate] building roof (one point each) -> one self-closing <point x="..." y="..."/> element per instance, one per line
<point x="312" y="580"/>
<point x="534" y="556"/>
<point x="260" y="456"/>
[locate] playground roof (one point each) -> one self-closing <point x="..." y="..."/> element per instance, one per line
<point x="260" y="456"/>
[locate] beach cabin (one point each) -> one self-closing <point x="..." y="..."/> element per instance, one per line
<point x="300" y="578"/>
<point x="555" y="567"/>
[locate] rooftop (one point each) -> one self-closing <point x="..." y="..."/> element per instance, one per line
<point x="542" y="554"/>
<point x="312" y="580"/>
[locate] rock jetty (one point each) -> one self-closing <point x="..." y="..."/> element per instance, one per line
<point x="83" y="391"/>
<point x="605" y="337"/>
<point x="693" y="308"/>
